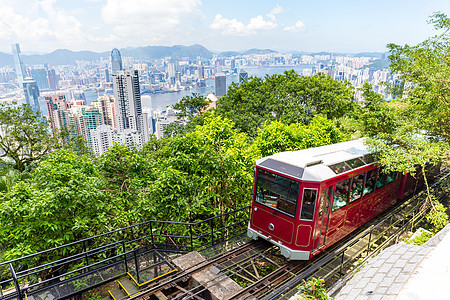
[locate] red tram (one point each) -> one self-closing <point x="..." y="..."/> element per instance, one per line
<point x="304" y="201"/>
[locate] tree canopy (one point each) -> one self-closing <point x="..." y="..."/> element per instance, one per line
<point x="288" y="98"/>
<point x="414" y="128"/>
<point x="24" y="135"/>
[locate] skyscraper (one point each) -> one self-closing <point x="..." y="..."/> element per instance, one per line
<point x="201" y="71"/>
<point x="243" y="76"/>
<point x="20" y="69"/>
<point x="221" y="84"/>
<point x="127" y="95"/>
<point x="116" y="61"/>
<point x="233" y="66"/>
<point x="52" y="80"/>
<point x="31" y="91"/>
<point x="40" y="75"/>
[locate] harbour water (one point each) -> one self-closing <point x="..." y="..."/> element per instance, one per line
<point x="160" y="101"/>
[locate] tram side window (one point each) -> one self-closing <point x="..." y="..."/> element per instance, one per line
<point x="391" y="176"/>
<point x="357" y="187"/>
<point x="341" y="193"/>
<point x="276" y="191"/>
<point x="370" y="182"/>
<point x="308" y="204"/>
<point x="381" y="180"/>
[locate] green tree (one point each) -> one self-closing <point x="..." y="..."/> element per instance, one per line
<point x="190" y="106"/>
<point x="203" y="173"/>
<point x="62" y="202"/>
<point x="425" y="71"/>
<point x="413" y="130"/>
<point x="128" y="175"/>
<point x="277" y="137"/>
<point x="24" y="135"/>
<point x="288" y="98"/>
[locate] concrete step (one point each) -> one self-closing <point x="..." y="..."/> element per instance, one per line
<point x="128" y="285"/>
<point x="116" y="292"/>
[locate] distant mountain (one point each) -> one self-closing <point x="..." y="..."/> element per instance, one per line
<point x="62" y="57"/>
<point x="380" y="64"/>
<point x="258" y="51"/>
<point x="229" y="53"/>
<point x="6" y="60"/>
<point x="370" y="54"/>
<point x="68" y="57"/>
<point x="178" y="51"/>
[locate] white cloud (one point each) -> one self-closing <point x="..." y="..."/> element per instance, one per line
<point x="228" y="27"/>
<point x="143" y="20"/>
<point x="275" y="11"/>
<point x="235" y="27"/>
<point x="40" y="26"/>
<point x="298" y="27"/>
<point x="14" y="26"/>
<point x="258" y="23"/>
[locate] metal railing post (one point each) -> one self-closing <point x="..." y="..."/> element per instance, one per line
<point x="212" y="232"/>
<point x="190" y="233"/>
<point x="368" y="245"/>
<point x="342" y="264"/>
<point x="151" y="234"/>
<point x="85" y="255"/>
<point x="124" y="256"/>
<point x="16" y="282"/>
<point x="136" y="264"/>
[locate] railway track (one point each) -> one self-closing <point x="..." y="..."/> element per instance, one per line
<point x="178" y="286"/>
<point x="263" y="273"/>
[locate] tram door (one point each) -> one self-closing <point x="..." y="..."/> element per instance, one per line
<point x="320" y="231"/>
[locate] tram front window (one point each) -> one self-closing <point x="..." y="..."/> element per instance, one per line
<point x="276" y="191"/>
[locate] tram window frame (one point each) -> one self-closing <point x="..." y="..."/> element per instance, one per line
<point x="285" y="203"/>
<point x="338" y="185"/>
<point x="358" y="185"/>
<point x="368" y="192"/>
<point x="394" y="175"/>
<point x="381" y="179"/>
<point x="310" y="207"/>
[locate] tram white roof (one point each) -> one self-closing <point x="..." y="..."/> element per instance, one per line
<point x="320" y="163"/>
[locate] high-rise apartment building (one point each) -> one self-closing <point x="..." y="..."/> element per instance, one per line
<point x="127" y="95"/>
<point x="31" y="91"/>
<point x="116" y="61"/>
<point x="107" y="108"/>
<point x="55" y="102"/>
<point x="221" y="84"/>
<point x="18" y="64"/>
<point x="87" y="118"/>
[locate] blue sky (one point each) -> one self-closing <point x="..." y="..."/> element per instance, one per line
<point x="302" y="25"/>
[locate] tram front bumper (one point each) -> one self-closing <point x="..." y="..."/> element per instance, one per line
<point x="285" y="251"/>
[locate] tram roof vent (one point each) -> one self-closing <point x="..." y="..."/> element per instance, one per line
<point x="313" y="163"/>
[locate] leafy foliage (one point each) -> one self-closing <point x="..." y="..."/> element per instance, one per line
<point x="190" y="106"/>
<point x="24" y="135"/>
<point x="277" y="137"/>
<point x="414" y="130"/>
<point x="62" y="202"/>
<point x="313" y="289"/>
<point x="203" y="171"/>
<point x="288" y="98"/>
<point x="420" y="239"/>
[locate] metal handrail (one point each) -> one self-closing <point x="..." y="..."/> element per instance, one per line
<point x="122" y="244"/>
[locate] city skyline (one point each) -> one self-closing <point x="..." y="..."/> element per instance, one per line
<point x="100" y="25"/>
